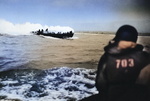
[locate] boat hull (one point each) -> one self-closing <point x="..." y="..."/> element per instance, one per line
<point x="66" y="35"/>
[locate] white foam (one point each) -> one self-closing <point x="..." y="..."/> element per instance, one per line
<point x="58" y="83"/>
<point x="25" y="28"/>
<point x="49" y="37"/>
<point x="9" y="82"/>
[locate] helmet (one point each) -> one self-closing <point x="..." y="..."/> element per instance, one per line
<point x="126" y="33"/>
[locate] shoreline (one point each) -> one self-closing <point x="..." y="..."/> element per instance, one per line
<point x="83" y="52"/>
<point x="111" y="33"/>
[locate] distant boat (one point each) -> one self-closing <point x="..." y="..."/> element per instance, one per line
<point x="53" y="34"/>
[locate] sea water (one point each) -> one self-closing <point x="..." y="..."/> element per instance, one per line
<point x="55" y="84"/>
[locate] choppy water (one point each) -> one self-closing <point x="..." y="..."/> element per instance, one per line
<point x="59" y="83"/>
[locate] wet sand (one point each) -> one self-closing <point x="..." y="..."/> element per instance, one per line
<point x="83" y="52"/>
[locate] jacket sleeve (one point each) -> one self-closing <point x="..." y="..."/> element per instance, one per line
<point x="101" y="77"/>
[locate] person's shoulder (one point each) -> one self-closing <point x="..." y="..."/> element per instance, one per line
<point x="146" y="54"/>
<point x="145" y="57"/>
<point x="139" y="48"/>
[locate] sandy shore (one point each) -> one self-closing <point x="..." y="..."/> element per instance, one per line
<point x="83" y="52"/>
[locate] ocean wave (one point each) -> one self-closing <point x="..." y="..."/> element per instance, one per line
<point x="59" y="84"/>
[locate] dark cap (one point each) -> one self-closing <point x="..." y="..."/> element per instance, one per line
<point x="126" y="33"/>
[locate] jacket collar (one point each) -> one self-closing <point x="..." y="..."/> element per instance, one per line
<point x="112" y="48"/>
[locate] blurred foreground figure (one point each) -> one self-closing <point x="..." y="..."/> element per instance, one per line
<point x="122" y="71"/>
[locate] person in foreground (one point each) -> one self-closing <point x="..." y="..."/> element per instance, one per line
<point x="119" y="76"/>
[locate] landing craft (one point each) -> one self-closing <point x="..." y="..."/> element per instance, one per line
<point x="62" y="35"/>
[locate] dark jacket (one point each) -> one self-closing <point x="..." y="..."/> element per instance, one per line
<point x="118" y="71"/>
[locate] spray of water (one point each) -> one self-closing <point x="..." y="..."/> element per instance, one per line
<point x="7" y="27"/>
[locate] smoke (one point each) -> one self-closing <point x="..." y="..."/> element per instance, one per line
<point x="7" y="27"/>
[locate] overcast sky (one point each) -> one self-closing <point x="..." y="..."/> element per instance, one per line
<point x="81" y="15"/>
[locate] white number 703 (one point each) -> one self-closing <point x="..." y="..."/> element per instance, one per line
<point x="124" y="63"/>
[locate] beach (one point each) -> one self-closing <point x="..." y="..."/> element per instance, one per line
<point x="81" y="52"/>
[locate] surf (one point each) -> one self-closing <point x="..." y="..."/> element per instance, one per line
<point x="59" y="83"/>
